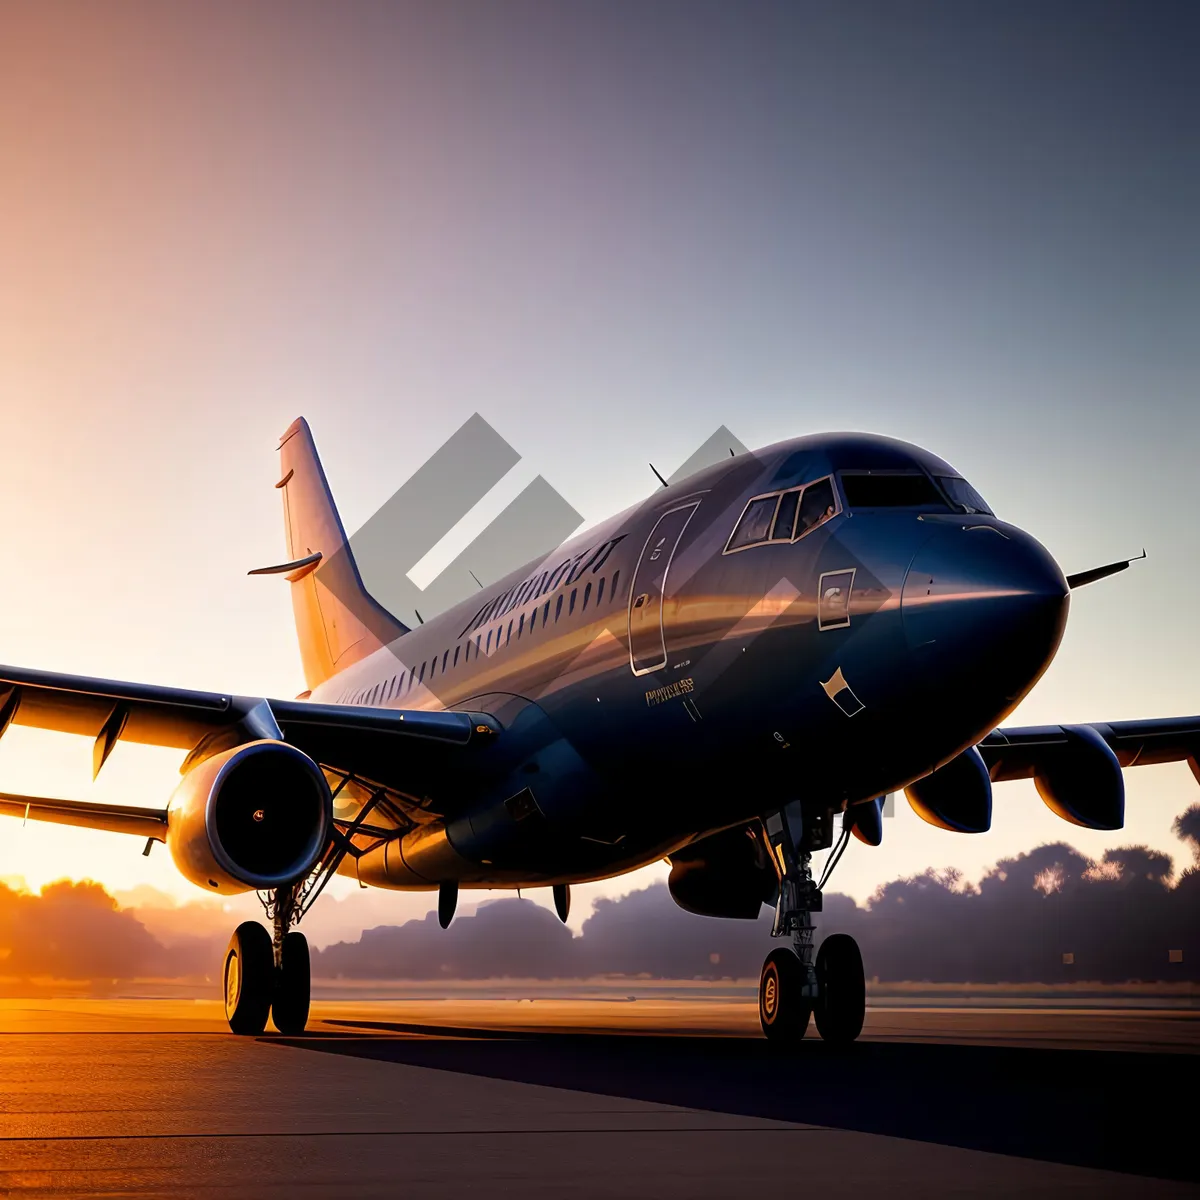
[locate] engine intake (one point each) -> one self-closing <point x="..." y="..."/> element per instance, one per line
<point x="254" y="817"/>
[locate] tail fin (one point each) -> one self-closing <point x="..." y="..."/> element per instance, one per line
<point x="338" y="622"/>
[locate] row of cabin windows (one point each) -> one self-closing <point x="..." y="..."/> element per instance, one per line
<point x="542" y="615"/>
<point x="539" y="586"/>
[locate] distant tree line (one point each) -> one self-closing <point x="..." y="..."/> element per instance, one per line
<point x="1117" y="919"/>
<point x="1047" y="916"/>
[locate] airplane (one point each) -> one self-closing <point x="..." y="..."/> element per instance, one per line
<point x="707" y="678"/>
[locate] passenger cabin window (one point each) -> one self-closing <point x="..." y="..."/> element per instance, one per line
<point x="911" y="490"/>
<point x="963" y="496"/>
<point x="755" y="525"/>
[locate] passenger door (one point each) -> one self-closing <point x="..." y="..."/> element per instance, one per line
<point x="647" y="640"/>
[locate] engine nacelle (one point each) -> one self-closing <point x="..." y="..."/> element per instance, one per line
<point x="957" y="796"/>
<point x="726" y="875"/>
<point x="865" y="821"/>
<point x="254" y="817"/>
<point x="1081" y="781"/>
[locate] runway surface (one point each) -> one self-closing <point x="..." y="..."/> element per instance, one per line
<point x="654" y="1098"/>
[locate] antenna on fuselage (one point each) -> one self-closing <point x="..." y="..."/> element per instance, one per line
<point x="474" y="576"/>
<point x="657" y="476"/>
<point x="420" y="619"/>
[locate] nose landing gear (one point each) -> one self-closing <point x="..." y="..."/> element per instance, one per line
<point x="792" y="987"/>
<point x="264" y="976"/>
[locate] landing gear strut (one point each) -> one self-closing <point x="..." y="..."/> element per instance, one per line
<point x="265" y="975"/>
<point x="792" y="986"/>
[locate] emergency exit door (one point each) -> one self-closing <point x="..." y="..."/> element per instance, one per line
<point x="647" y="639"/>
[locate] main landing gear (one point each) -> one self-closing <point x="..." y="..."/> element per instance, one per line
<point x="265" y="976"/>
<point x="792" y="986"/>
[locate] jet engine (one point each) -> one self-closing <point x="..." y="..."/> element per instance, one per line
<point x="725" y="875"/>
<point x="865" y="821"/>
<point x="957" y="796"/>
<point x="257" y="816"/>
<point x="1081" y="781"/>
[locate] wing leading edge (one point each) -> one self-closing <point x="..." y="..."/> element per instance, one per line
<point x="1015" y="753"/>
<point x="353" y="740"/>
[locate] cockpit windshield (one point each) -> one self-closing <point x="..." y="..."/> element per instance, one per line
<point x="784" y="516"/>
<point x="817" y="505"/>
<point x="909" y="489"/>
<point x="963" y="496"/>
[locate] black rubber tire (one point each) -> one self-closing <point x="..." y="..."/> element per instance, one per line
<point x="248" y="978"/>
<point x="841" y="990"/>
<point x="783" y="1008"/>
<point x="289" y="1007"/>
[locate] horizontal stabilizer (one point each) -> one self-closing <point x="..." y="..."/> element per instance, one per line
<point x="294" y="570"/>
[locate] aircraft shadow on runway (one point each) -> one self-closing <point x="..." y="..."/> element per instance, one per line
<point x="1116" y="1110"/>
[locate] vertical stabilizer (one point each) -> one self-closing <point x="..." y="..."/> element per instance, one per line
<point x="338" y="622"/>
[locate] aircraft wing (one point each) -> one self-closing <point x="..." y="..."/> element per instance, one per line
<point x="116" y="818"/>
<point x="397" y="748"/>
<point x="1014" y="753"/>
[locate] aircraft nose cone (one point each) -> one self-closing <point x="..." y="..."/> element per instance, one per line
<point x="984" y="609"/>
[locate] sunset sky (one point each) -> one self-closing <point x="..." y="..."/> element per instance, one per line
<point x="608" y="229"/>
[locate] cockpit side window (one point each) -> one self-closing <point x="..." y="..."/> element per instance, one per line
<point x="911" y="489"/>
<point x="817" y="505"/>
<point x="755" y="524"/>
<point x="963" y="496"/>
<point x="785" y="516"/>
